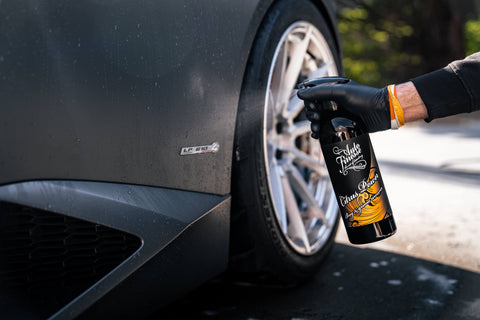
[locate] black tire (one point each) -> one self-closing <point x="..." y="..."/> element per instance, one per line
<point x="258" y="245"/>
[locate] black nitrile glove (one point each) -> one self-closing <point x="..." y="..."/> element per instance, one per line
<point x="370" y="104"/>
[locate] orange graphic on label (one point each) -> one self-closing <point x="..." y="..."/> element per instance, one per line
<point x="368" y="205"/>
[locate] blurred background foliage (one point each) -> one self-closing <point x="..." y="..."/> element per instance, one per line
<point x="388" y="41"/>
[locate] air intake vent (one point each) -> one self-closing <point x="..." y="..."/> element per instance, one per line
<point x="47" y="259"/>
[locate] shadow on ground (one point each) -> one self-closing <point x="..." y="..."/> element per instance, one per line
<point x="353" y="283"/>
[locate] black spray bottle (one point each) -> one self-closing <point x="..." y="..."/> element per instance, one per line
<point x="354" y="173"/>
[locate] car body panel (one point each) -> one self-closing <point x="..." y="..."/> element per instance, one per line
<point x="112" y="90"/>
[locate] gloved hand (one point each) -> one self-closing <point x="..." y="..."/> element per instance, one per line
<point x="370" y="104"/>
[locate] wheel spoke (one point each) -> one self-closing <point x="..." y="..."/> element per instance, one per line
<point x="321" y="72"/>
<point x="305" y="160"/>
<point x="295" y="106"/>
<point x="271" y="147"/>
<point x="296" y="227"/>
<point x="276" y="173"/>
<point x="299" y="185"/>
<point x="296" y="53"/>
<point x="320" y="192"/>
<point x="270" y="111"/>
<point x="298" y="129"/>
<point x="317" y="43"/>
<point x="278" y="78"/>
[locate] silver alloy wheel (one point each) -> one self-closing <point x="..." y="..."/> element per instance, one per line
<point x="300" y="188"/>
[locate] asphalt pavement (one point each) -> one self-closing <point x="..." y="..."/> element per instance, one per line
<point x="354" y="283"/>
<point x="430" y="269"/>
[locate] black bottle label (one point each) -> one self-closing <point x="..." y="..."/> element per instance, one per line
<point x="357" y="181"/>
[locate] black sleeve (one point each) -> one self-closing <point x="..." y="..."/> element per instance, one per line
<point x="451" y="90"/>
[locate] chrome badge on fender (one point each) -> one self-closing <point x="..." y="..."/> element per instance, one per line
<point x="212" y="148"/>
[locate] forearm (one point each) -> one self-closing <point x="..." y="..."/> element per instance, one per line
<point x="411" y="102"/>
<point x="451" y="90"/>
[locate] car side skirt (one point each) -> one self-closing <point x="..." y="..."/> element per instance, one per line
<point x="184" y="238"/>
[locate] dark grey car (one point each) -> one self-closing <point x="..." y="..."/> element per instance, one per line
<point x="148" y="146"/>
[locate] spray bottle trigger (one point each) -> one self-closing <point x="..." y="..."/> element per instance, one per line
<point x="320" y="81"/>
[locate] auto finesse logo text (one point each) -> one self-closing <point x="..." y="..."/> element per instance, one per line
<point x="350" y="158"/>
